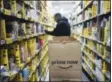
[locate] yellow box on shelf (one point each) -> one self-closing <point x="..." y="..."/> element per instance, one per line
<point x="7" y="12"/>
<point x="17" y="54"/>
<point x="85" y="67"/>
<point x="93" y="74"/>
<point x="18" y="78"/>
<point x="107" y="5"/>
<point x="98" y="47"/>
<point x="4" y="58"/>
<point x="32" y="19"/>
<point x="85" y="3"/>
<point x="22" y="66"/>
<point x="9" y="40"/>
<point x="104" y="52"/>
<point x="2" y="30"/>
<point x="32" y="77"/>
<point x="32" y="71"/>
<point x="1" y="4"/>
<point x="44" y="62"/>
<point x="20" y="38"/>
<point x="23" y="11"/>
<point x="94" y="8"/>
<point x="107" y="30"/>
<point x="46" y="71"/>
<point x="85" y="32"/>
<point x="105" y="67"/>
<point x="13" y="75"/>
<point x="13" y="6"/>
<point x="19" y="16"/>
<point x="28" y="59"/>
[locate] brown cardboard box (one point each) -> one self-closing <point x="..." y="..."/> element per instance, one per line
<point x="65" y="59"/>
<point x="64" y="74"/>
<point x="65" y="80"/>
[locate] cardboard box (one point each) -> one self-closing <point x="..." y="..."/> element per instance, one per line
<point x="64" y="74"/>
<point x="65" y="59"/>
<point x="65" y="80"/>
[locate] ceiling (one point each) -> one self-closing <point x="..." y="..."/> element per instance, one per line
<point x="63" y="7"/>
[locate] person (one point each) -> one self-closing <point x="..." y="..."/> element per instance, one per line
<point x="62" y="27"/>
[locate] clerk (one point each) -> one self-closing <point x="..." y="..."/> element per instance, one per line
<point x="62" y="27"/>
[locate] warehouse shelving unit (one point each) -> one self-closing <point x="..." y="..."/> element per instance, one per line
<point x="23" y="43"/>
<point x="92" y="29"/>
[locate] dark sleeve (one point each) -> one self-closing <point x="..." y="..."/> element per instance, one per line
<point x="62" y="29"/>
<point x="56" y="31"/>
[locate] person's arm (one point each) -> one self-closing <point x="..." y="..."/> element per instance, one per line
<point x="55" y="32"/>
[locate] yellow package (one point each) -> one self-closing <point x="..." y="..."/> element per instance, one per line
<point x="13" y="6"/>
<point x="29" y="44"/>
<point x="107" y="5"/>
<point x="94" y="9"/>
<point x="2" y="30"/>
<point x="106" y="31"/>
<point x="1" y="4"/>
<point x="17" y="54"/>
<point x="105" y="67"/>
<point x="4" y="58"/>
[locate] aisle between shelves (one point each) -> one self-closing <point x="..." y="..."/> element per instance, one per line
<point x="92" y="30"/>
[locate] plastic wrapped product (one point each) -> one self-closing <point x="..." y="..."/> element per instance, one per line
<point x="15" y="30"/>
<point x="19" y="6"/>
<point x="21" y="31"/>
<point x="25" y="74"/>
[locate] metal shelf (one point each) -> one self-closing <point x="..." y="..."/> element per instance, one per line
<point x="100" y="42"/>
<point x="86" y="20"/>
<point x="104" y="14"/>
<point x="106" y="74"/>
<point x="46" y="24"/>
<point x="98" y="54"/>
<point x="43" y="72"/>
<point x="98" y="15"/>
<point x="89" y="67"/>
<point x="85" y="68"/>
<point x="28" y="4"/>
<point x="90" y="3"/>
<point x="5" y="42"/>
<point x="21" y="68"/>
<point x="8" y="15"/>
<point x="92" y="60"/>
